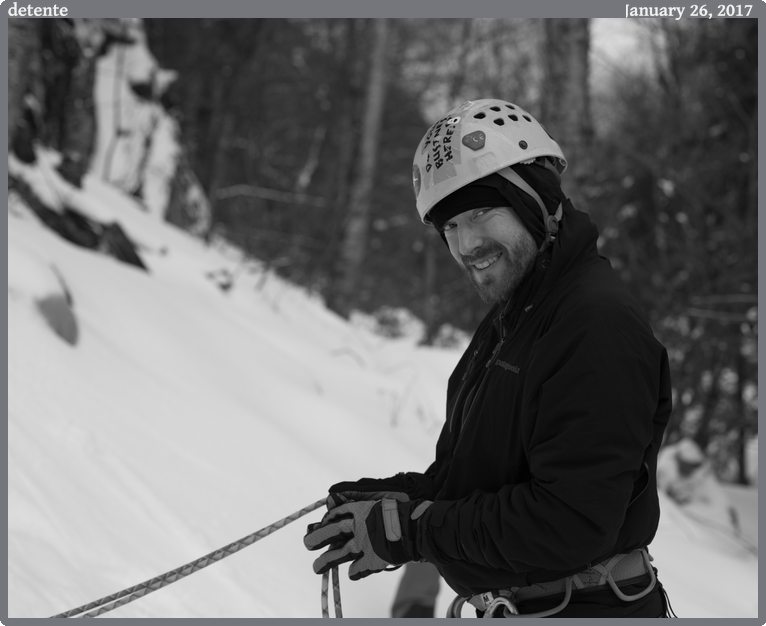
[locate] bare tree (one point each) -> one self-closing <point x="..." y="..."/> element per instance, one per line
<point x="433" y="244"/>
<point x="354" y="244"/>
<point x="71" y="97"/>
<point x="565" y="97"/>
<point x="23" y="50"/>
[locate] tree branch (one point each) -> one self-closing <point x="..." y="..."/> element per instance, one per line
<point x="269" y="194"/>
<point x="724" y="318"/>
<point x="725" y="298"/>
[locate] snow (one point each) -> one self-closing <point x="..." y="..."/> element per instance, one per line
<point x="187" y="417"/>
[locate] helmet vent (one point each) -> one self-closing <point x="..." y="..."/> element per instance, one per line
<point x="494" y="108"/>
<point x="480" y="116"/>
<point x="499" y="121"/>
<point x="515" y="118"/>
<point x="510" y="106"/>
<point x="526" y="117"/>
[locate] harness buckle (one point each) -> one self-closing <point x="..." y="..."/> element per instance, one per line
<point x="510" y="607"/>
<point x="486" y="598"/>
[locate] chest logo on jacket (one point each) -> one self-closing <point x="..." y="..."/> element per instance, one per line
<point x="507" y="366"/>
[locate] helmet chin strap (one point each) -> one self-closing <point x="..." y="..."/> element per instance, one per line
<point x="551" y="221"/>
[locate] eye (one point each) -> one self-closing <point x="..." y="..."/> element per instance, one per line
<point x="448" y="226"/>
<point x="482" y="212"/>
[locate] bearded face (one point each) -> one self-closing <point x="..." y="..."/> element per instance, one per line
<point x="493" y="248"/>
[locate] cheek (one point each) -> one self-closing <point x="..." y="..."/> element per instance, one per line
<point x="510" y="238"/>
<point x="454" y="250"/>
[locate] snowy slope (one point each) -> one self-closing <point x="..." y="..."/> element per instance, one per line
<point x="186" y="417"/>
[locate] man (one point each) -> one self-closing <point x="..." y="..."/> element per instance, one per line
<point x="542" y="496"/>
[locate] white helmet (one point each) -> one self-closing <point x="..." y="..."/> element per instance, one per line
<point x="474" y="140"/>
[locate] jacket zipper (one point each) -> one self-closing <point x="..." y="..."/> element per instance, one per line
<point x="462" y="386"/>
<point x="470" y="364"/>
<point x="492" y="359"/>
<point x="500" y="343"/>
<point x="469" y="368"/>
<point x="490" y="362"/>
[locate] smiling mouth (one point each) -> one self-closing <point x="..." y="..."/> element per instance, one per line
<point x="482" y="265"/>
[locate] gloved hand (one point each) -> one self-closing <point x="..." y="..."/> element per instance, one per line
<point x="372" y="534"/>
<point x="402" y="487"/>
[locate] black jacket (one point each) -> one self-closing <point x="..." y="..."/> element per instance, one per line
<point x="555" y="413"/>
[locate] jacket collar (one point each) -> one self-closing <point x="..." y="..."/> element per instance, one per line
<point x="573" y="250"/>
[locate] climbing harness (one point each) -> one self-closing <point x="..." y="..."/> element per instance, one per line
<point x="116" y="600"/>
<point x="621" y="567"/>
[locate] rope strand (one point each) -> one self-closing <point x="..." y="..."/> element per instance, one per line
<point x="336" y="592"/>
<point x="325" y="604"/>
<point x="108" y="603"/>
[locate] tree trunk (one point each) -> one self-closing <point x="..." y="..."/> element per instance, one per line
<point x="341" y="123"/>
<point x="23" y="51"/>
<point x="225" y="128"/>
<point x="433" y="244"/>
<point x="303" y="180"/>
<point x="741" y="421"/>
<point x="565" y="101"/>
<point x="752" y="188"/>
<point x="702" y="436"/>
<point x="76" y="108"/>
<point x="68" y="72"/>
<point x="433" y="247"/>
<point x="354" y="245"/>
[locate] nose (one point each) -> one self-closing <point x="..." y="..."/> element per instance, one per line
<point x="469" y="239"/>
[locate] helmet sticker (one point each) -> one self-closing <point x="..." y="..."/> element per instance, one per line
<point x="475" y="140"/>
<point x="442" y="150"/>
<point x="416" y="179"/>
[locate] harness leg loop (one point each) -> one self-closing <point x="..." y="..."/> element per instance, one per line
<point x="606" y="572"/>
<point x="456" y="606"/>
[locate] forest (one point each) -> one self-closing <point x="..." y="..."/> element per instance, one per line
<point x="301" y="132"/>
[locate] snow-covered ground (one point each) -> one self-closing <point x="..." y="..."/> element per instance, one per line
<point x="186" y="417"/>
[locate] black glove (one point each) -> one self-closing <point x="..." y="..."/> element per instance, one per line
<point x="402" y="487"/>
<point x="372" y="534"/>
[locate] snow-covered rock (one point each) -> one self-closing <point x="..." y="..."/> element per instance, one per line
<point x="138" y="147"/>
<point x="686" y="475"/>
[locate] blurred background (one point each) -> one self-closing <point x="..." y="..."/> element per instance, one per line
<point x="291" y="140"/>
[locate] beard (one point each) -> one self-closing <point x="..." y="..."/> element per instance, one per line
<point x="498" y="284"/>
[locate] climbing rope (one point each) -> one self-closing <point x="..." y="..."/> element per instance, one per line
<point x="109" y="603"/>
<point x="335" y="593"/>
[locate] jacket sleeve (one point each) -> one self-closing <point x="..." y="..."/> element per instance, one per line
<point x="418" y="486"/>
<point x="593" y="385"/>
